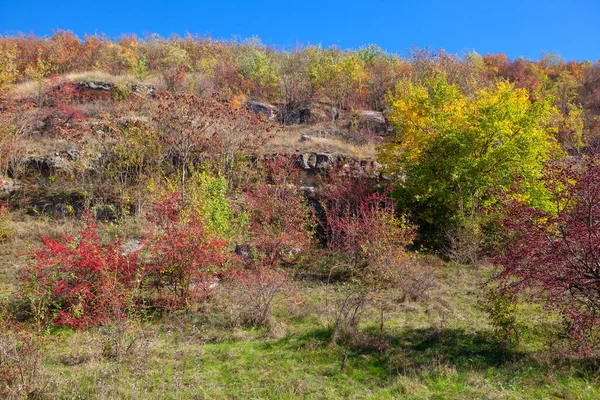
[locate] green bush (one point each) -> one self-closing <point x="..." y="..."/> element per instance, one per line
<point x="502" y="309"/>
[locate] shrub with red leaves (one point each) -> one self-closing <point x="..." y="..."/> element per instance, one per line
<point x="77" y="281"/>
<point x="61" y="115"/>
<point x="184" y="256"/>
<point x="278" y="231"/>
<point x="360" y="224"/>
<point x="280" y="222"/>
<point x="559" y="251"/>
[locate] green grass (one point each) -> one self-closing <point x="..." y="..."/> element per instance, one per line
<point x="443" y="352"/>
<point x="452" y="364"/>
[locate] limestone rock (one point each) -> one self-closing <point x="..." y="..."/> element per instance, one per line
<point x="268" y="110"/>
<point x="373" y="121"/>
<point x="9" y="186"/>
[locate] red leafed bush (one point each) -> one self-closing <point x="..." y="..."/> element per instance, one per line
<point x="559" y="251"/>
<point x="360" y="224"/>
<point x="77" y="281"/>
<point x="61" y="115"/>
<point x="278" y="231"/>
<point x="184" y="256"/>
<point x="280" y="222"/>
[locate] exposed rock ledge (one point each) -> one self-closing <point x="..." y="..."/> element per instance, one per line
<point x="108" y="87"/>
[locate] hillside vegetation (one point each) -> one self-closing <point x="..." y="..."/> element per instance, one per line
<point x="196" y="218"/>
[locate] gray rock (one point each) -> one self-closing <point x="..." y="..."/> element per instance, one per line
<point x="268" y="110"/>
<point x="96" y="85"/>
<point x="9" y="186"/>
<point x="143" y="90"/>
<point x="131" y="246"/>
<point x="308" y="160"/>
<point x="296" y="116"/>
<point x="73" y="154"/>
<point x="305" y="138"/>
<point x="108" y="88"/>
<point x="373" y="121"/>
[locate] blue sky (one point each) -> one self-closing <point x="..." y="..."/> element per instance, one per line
<point x="518" y="28"/>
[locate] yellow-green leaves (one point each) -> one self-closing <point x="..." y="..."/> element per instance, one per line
<point x="458" y="152"/>
<point x="8" y="67"/>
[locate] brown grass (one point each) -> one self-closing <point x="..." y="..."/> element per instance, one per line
<point x="288" y="141"/>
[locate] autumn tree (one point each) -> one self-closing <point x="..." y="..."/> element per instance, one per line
<point x="452" y="153"/>
<point x="8" y="66"/>
<point x="557" y="251"/>
<point x="257" y="69"/>
<point x="293" y="81"/>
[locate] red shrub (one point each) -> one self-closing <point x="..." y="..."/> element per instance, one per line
<point x="77" y="281"/>
<point x="184" y="257"/>
<point x="559" y="252"/>
<point x="62" y="114"/>
<point x="360" y="224"/>
<point x="280" y="222"/>
<point x="278" y="231"/>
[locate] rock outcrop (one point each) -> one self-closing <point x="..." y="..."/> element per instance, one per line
<point x="372" y="121"/>
<point x="9" y="186"/>
<point x="316" y="163"/>
<point x="104" y="90"/>
<point x="268" y="110"/>
<point x="296" y="116"/>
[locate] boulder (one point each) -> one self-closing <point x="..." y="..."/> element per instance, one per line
<point x="131" y="246"/>
<point x="268" y="110"/>
<point x="96" y="85"/>
<point x="372" y="121"/>
<point x="328" y="160"/>
<point x="104" y="90"/>
<point x="296" y="116"/>
<point x="308" y="160"/>
<point x="143" y="90"/>
<point x="323" y="112"/>
<point x="319" y="161"/>
<point x="9" y="186"/>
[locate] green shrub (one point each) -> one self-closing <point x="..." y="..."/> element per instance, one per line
<point x="502" y="309"/>
<point x="122" y="91"/>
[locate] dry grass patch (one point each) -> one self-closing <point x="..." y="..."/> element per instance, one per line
<point x="289" y="141"/>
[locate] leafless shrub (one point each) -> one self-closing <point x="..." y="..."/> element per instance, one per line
<point x="417" y="277"/>
<point x="20" y="366"/>
<point x="125" y="338"/>
<point x="347" y="313"/>
<point x="258" y="290"/>
<point x="464" y="243"/>
<point x="200" y="85"/>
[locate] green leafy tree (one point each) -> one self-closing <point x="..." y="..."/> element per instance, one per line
<point x="453" y="153"/>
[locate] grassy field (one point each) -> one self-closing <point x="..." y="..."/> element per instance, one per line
<point x="440" y="348"/>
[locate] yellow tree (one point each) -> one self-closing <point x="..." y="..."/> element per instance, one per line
<point x="453" y="153"/>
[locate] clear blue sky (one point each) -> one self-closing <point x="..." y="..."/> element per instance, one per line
<point x="518" y="28"/>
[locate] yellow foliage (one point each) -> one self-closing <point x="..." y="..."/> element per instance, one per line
<point x="8" y="67"/>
